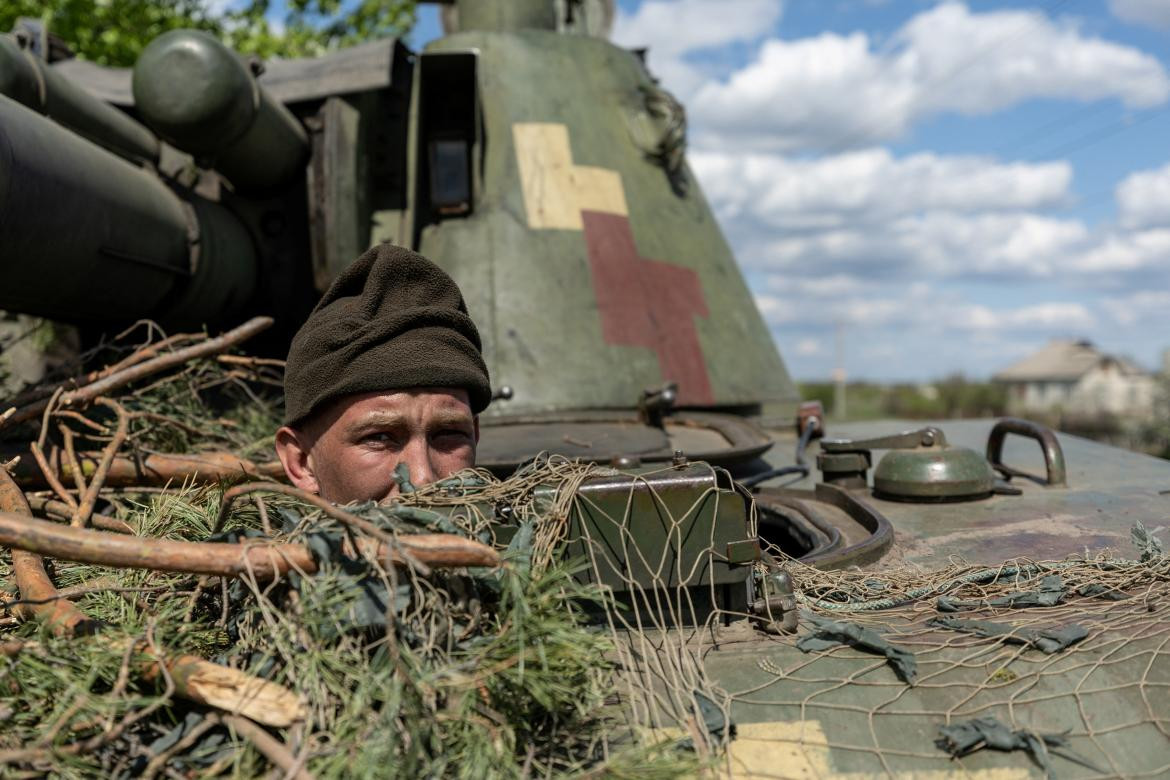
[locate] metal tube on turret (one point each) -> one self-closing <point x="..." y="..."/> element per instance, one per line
<point x="87" y="236"/>
<point x="31" y="82"/>
<point x="198" y="95"/>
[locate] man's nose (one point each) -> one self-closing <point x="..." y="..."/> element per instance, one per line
<point x="417" y="457"/>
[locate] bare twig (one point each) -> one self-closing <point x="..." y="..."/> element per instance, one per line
<point x="209" y="721"/>
<point x="42" y="437"/>
<point x="107" y="384"/>
<point x="89" y="498"/>
<point x="71" y="457"/>
<point x="248" y="360"/>
<point x="145" y="352"/>
<point x="192" y="678"/>
<point x="272" y="748"/>
<point x="50" y="476"/>
<point x="62" y="511"/>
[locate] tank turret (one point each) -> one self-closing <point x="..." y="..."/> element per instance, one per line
<point x="542" y="166"/>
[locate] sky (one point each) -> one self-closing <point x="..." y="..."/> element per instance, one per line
<point x="948" y="185"/>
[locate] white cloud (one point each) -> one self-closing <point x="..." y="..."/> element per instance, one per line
<point x="1146" y="306"/>
<point x="934" y="244"/>
<point x="1154" y="13"/>
<point x="872" y="186"/>
<point x="1120" y="250"/>
<point x="806" y="347"/>
<point x="925" y="310"/>
<point x="1143" y="199"/>
<point x="836" y="91"/>
<point x="672" y="29"/>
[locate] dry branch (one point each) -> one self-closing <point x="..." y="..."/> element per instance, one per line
<point x="272" y="748"/>
<point x="194" y="678"/>
<point x="62" y="511"/>
<point x="145" y="352"/>
<point x="109" y="453"/>
<point x="150" y="470"/>
<point x="130" y="374"/>
<point x="222" y="559"/>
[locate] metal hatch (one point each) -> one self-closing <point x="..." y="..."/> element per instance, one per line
<point x="607" y="436"/>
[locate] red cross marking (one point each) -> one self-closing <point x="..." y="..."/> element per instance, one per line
<point x="648" y="303"/>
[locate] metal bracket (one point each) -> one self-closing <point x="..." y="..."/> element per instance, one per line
<point x="1057" y="475"/>
<point x="774" y="609"/>
<point x="656" y="403"/>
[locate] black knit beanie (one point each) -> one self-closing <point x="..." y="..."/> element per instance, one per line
<point x="392" y="320"/>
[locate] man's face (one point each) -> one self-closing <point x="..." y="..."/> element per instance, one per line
<point x="348" y="451"/>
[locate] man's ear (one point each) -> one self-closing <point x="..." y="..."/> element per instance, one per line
<point x="293" y="450"/>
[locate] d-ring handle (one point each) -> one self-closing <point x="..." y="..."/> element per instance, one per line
<point x="1053" y="454"/>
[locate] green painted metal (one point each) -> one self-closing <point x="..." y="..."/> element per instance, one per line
<point x="949" y="473"/>
<point x="531" y="290"/>
<point x="1108" y="490"/>
<point x="198" y="94"/>
<point x="89" y="237"/>
<point x="27" y="80"/>
<point x="513" y="15"/>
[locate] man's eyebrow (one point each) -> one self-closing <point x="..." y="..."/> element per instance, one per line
<point x="376" y="420"/>
<point x="450" y="417"/>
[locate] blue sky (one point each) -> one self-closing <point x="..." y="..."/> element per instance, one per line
<point x="954" y="183"/>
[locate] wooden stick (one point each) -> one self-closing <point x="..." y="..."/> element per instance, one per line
<point x="62" y="511"/>
<point x="151" y="470"/>
<point x="48" y="474"/>
<point x="348" y="519"/>
<point x="272" y="748"/>
<point x="223" y="559"/>
<point x="89" y="498"/>
<point x="145" y="352"/>
<point x="195" y="679"/>
<point x="125" y="376"/>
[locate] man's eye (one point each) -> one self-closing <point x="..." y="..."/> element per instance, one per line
<point x="453" y="434"/>
<point x="378" y="438"/>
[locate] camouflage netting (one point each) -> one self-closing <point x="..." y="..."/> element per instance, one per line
<point x="378" y="664"/>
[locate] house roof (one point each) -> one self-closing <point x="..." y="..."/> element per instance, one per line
<point x="1063" y="361"/>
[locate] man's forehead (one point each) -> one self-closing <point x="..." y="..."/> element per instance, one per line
<point x="386" y="406"/>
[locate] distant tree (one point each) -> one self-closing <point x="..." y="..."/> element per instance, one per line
<point x="114" y="32"/>
<point x="313" y="27"/>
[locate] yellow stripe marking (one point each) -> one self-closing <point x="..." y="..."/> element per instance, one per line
<point x="799" y="750"/>
<point x="555" y="190"/>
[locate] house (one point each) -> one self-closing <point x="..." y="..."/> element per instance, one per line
<point x="1074" y="377"/>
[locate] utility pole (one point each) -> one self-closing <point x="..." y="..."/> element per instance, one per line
<point x="839" y="410"/>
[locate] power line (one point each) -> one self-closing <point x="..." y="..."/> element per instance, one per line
<point x="1043" y="131"/>
<point x="1100" y="134"/>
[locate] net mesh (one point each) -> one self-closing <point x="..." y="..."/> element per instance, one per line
<point x="592" y="650"/>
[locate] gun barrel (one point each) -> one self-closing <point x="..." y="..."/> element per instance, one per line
<point x="88" y="236"/>
<point x="198" y="95"/>
<point x="28" y="80"/>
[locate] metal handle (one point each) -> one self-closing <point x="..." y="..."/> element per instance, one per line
<point x="907" y="440"/>
<point x="1053" y="454"/>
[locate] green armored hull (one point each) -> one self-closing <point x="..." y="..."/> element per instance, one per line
<point x="873" y="618"/>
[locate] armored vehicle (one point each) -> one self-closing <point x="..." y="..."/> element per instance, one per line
<point x="545" y="169"/>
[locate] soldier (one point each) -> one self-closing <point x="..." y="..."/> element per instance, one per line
<point x="386" y="370"/>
